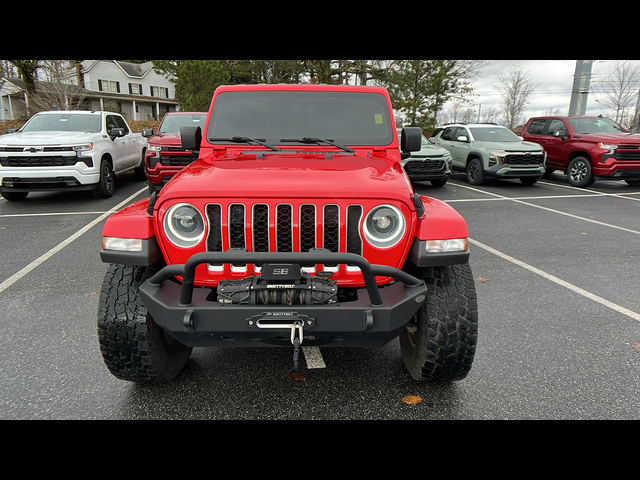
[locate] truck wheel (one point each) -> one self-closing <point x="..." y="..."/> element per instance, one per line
<point x="133" y="346"/>
<point x="475" y="175"/>
<point x="14" y="196"/>
<point x="580" y="173"/>
<point x="107" y="182"/>
<point x="140" y="171"/>
<point x="440" y="342"/>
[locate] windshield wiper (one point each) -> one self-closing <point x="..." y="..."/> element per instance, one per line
<point x="259" y="141"/>
<point x="318" y="140"/>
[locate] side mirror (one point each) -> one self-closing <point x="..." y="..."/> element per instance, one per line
<point x="191" y="138"/>
<point x="411" y="139"/>
<point x="147" y="133"/>
<point x="116" y="132"/>
<point x="462" y="138"/>
<point x="12" y="130"/>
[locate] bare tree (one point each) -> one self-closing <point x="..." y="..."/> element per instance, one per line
<point x="618" y="93"/>
<point x="56" y="89"/>
<point x="515" y="89"/>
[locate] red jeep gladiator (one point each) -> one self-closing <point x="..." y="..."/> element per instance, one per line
<point x="296" y="226"/>
<point x="165" y="155"/>
<point x="586" y="147"/>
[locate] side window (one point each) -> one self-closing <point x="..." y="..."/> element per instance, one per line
<point x="557" y="125"/>
<point x="111" y="123"/>
<point x="536" y="126"/>
<point x="449" y="133"/>
<point x="462" y="132"/>
<point x="120" y="123"/>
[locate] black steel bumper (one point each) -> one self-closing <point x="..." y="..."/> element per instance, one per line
<point x="194" y="317"/>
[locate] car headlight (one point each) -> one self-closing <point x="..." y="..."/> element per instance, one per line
<point x="122" y="244"/>
<point x="608" y="146"/>
<point x="384" y="226"/>
<point x="154" y="148"/>
<point x="81" y="149"/>
<point x="446" y="246"/>
<point x="184" y="225"/>
<point x="496" y="157"/>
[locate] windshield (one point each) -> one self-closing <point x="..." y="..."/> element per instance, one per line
<point x="64" y="122"/>
<point x="347" y="118"/>
<point x="595" y="125"/>
<point x="172" y="123"/>
<point x="497" y="134"/>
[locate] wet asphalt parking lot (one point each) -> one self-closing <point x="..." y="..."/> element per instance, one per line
<point x="559" y="337"/>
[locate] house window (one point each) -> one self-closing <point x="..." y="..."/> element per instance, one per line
<point x="135" y="89"/>
<point x="109" y="86"/>
<point x="160" y="92"/>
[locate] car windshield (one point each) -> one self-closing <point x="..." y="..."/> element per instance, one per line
<point x="64" y="122"/>
<point x="595" y="125"/>
<point x="497" y="134"/>
<point x="172" y="123"/>
<point x="347" y="118"/>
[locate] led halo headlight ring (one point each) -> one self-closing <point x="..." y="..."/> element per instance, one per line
<point x="184" y="225"/>
<point x="384" y="226"/>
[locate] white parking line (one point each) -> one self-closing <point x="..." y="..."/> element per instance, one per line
<point x="39" y="261"/>
<point x="502" y="197"/>
<point x="548" y="276"/>
<point x="313" y="358"/>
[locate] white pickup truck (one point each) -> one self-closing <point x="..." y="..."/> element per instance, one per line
<point x="69" y="150"/>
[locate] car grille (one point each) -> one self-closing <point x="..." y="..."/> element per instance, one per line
<point x="628" y="153"/>
<point x="176" y="157"/>
<point x="427" y="166"/>
<point x="38" y="161"/>
<point x="524" y="159"/>
<point x="284" y="227"/>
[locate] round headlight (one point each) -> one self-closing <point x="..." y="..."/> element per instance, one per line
<point x="184" y="225"/>
<point x="384" y="226"/>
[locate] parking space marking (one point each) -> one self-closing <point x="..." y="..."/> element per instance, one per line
<point x="313" y="358"/>
<point x="552" y="278"/>
<point x="11" y="215"/>
<point x="39" y="261"/>
<point x="502" y="197"/>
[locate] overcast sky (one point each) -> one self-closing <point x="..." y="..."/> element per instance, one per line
<point x="556" y="82"/>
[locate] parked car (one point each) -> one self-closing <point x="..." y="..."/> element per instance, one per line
<point x="295" y="226"/>
<point x="165" y="155"/>
<point x="69" y="150"/>
<point x="431" y="163"/>
<point x="586" y="147"/>
<point x="491" y="151"/>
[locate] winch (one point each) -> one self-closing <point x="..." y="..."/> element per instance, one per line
<point x="284" y="284"/>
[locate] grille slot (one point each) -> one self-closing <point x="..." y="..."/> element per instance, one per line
<point x="286" y="231"/>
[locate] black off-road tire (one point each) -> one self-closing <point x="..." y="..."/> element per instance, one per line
<point x="475" y="173"/>
<point x="107" y="183"/>
<point x="439" y="345"/>
<point x="133" y="346"/>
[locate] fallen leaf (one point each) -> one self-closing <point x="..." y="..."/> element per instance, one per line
<point x="93" y="293"/>
<point x="412" y="400"/>
<point x="481" y="279"/>
<point x="636" y="346"/>
<point x="296" y="377"/>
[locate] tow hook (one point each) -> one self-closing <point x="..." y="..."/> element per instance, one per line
<point x="297" y="337"/>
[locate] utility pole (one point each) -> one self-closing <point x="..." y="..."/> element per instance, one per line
<point x="581" y="84"/>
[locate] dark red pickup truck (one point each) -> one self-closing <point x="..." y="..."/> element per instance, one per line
<point x="585" y="147"/>
<point x="165" y="155"/>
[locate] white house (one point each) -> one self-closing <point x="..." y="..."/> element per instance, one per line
<point x="134" y="90"/>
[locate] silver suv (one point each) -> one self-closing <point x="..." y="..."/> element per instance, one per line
<point x="490" y="151"/>
<point x="431" y="163"/>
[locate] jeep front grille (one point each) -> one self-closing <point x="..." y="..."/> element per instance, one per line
<point x="284" y="227"/>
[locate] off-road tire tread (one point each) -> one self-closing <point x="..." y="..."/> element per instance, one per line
<point x="445" y="344"/>
<point x="133" y="346"/>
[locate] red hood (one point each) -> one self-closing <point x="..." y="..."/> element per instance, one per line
<point x="169" y="138"/>
<point x="617" y="138"/>
<point x="295" y="175"/>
